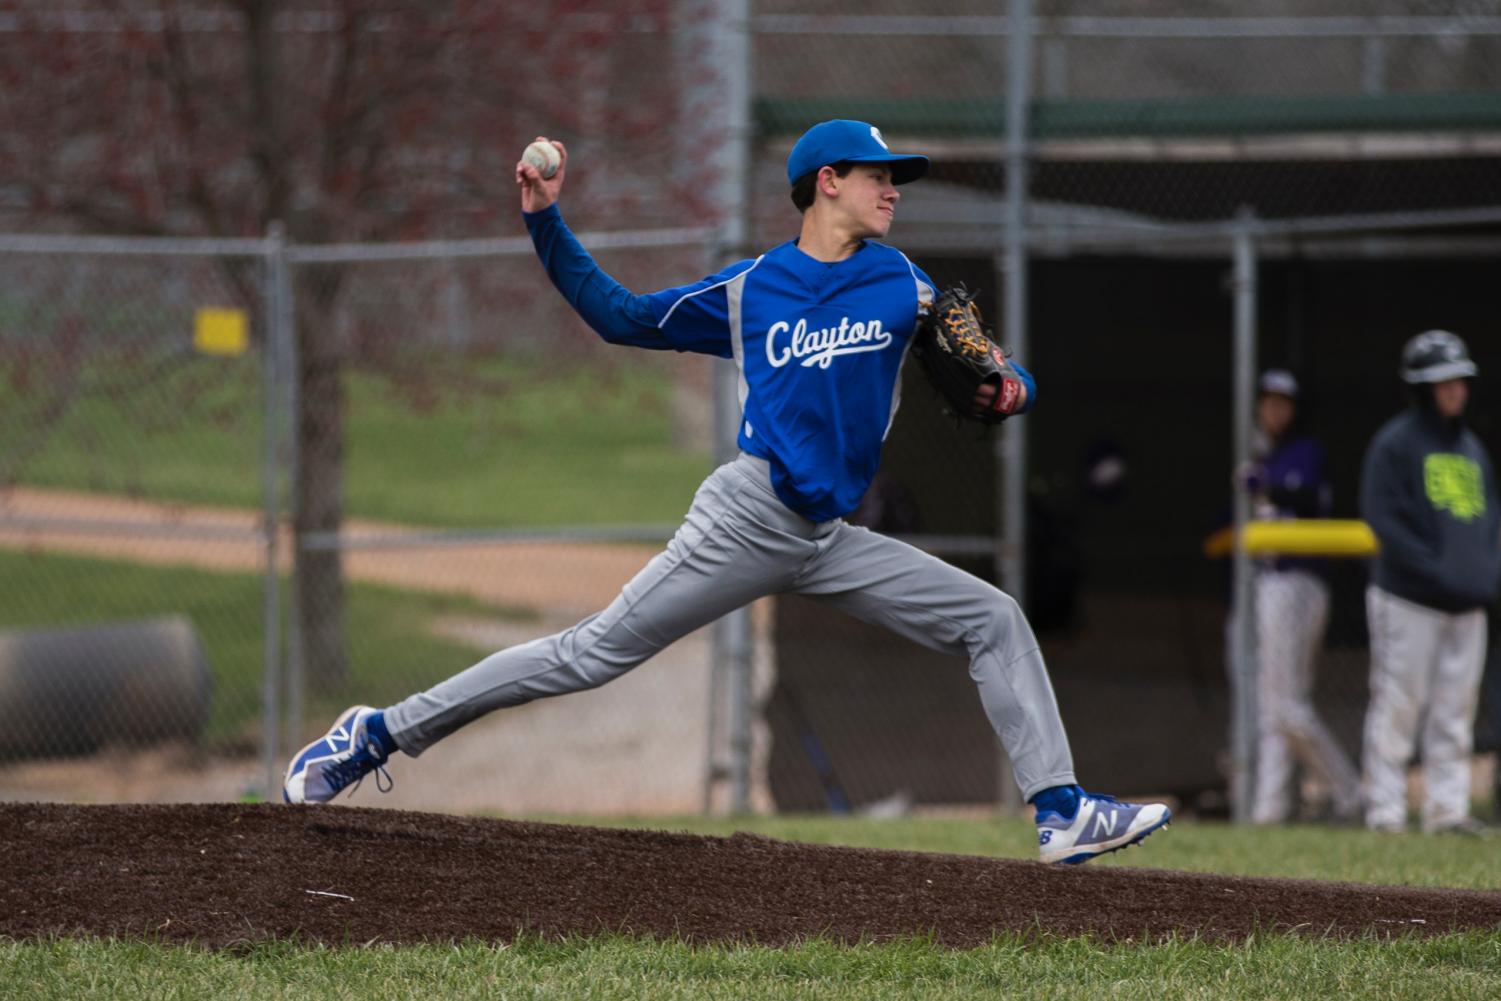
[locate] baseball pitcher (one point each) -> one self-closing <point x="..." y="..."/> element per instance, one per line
<point x="818" y="329"/>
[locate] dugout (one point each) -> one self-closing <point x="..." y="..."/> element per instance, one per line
<point x="1129" y="455"/>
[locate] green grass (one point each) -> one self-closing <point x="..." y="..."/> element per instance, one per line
<point x="496" y="444"/>
<point x="1456" y="966"/>
<point x="1298" y="851"/>
<point x="391" y="646"/>
<point x="186" y="429"/>
<point x="555" y="448"/>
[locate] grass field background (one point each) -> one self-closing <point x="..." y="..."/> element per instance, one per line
<point x="1461" y="966"/>
<point x="488" y="444"/>
<point x="496" y="443"/>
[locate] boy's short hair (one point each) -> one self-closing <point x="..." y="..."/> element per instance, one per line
<point x="805" y="187"/>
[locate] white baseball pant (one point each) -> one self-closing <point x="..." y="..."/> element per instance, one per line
<point x="1292" y="610"/>
<point x="1425" y="683"/>
<point x="739" y="543"/>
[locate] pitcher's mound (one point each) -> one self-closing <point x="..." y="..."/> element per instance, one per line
<point x="222" y="875"/>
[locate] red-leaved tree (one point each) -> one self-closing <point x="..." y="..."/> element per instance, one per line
<point x="345" y="121"/>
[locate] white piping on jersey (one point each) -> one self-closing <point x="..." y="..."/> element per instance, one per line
<point x="921" y="285"/>
<point x="708" y="288"/>
<point x="922" y="300"/>
<point x="734" y="293"/>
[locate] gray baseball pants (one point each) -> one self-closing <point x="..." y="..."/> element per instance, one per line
<point x="739" y="543"/>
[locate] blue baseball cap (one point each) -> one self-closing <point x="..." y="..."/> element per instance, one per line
<point x="857" y="142"/>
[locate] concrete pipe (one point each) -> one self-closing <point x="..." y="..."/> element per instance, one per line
<point x="74" y="691"/>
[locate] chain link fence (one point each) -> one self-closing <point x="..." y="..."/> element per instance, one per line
<point x="1200" y="196"/>
<point x="134" y="548"/>
<point x="497" y="476"/>
<point x="1152" y="206"/>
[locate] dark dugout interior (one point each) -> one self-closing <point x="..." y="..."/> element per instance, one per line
<point x="1133" y="361"/>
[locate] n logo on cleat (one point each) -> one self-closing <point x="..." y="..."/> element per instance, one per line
<point x="339" y="733"/>
<point x="1108" y="825"/>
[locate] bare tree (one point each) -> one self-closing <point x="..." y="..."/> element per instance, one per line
<point x="345" y="120"/>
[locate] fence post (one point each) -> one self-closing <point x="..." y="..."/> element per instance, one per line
<point x="732" y="638"/>
<point x="1012" y="443"/>
<point x="272" y="291"/>
<point x="1243" y="615"/>
<point x="286" y="329"/>
<point x="1373" y="65"/>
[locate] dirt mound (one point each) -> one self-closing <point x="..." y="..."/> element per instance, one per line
<point x="223" y="875"/>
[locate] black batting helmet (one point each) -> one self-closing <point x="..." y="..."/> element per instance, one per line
<point x="1436" y="356"/>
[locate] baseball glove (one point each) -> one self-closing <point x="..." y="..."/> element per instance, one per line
<point x="957" y="353"/>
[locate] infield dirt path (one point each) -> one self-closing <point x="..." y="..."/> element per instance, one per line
<point x="551" y="578"/>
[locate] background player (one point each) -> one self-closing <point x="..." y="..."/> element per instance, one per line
<point x="1428" y="490"/>
<point x="818" y="328"/>
<point x="1287" y="480"/>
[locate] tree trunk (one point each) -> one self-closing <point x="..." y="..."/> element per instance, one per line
<point x="318" y="491"/>
<point x="320" y="485"/>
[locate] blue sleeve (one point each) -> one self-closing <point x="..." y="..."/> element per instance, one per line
<point x="612" y="310"/>
<point x="697" y="317"/>
<point x="1029" y="382"/>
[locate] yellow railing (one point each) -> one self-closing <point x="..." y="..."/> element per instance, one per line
<point x="1307" y="537"/>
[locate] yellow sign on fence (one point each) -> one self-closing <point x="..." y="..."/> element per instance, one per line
<point x="218" y="331"/>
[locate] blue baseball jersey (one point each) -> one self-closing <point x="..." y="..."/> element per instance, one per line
<point x="818" y="346"/>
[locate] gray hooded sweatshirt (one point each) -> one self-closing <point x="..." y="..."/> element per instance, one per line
<point x="1428" y="491"/>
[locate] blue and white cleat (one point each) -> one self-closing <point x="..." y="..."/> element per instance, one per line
<point x="340" y="758"/>
<point x="1101" y="824"/>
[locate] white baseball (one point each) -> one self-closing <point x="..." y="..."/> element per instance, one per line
<point x="544" y="156"/>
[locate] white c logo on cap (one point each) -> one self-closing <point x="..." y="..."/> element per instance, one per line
<point x="875" y="134"/>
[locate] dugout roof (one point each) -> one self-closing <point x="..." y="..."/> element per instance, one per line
<point x="1196" y="159"/>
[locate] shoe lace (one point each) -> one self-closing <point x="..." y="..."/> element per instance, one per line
<point x="368" y="757"/>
